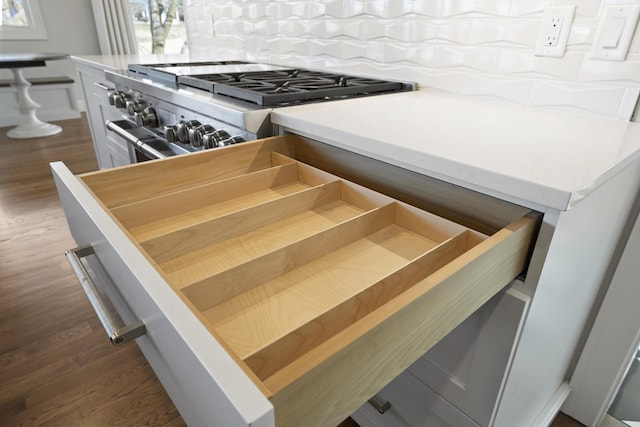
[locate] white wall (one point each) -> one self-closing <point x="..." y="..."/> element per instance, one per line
<point x="70" y="29"/>
<point x="467" y="47"/>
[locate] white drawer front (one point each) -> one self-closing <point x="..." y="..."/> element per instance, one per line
<point x="203" y="381"/>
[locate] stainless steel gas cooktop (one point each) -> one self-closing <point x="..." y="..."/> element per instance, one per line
<point x="266" y="84"/>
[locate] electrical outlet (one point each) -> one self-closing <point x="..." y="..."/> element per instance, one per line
<point x="554" y="31"/>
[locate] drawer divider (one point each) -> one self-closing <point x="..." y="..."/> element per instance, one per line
<point x="198" y="236"/>
<point x="278" y="159"/>
<point x="169" y="175"/>
<point x="266" y="361"/>
<point x="221" y="287"/>
<point x="186" y="200"/>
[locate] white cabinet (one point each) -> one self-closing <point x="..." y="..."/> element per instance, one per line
<point x="413" y="404"/>
<point x="457" y="382"/>
<point x="110" y="151"/>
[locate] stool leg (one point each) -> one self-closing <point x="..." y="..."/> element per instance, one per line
<point x="32" y="127"/>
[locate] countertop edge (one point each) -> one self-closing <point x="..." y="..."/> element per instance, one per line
<point x="540" y="158"/>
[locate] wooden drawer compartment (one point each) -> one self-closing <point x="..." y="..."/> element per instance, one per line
<point x="321" y="290"/>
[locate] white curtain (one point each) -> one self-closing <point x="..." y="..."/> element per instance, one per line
<point x="115" y="27"/>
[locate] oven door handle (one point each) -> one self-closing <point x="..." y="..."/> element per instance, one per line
<point x="116" y="335"/>
<point x="134" y="136"/>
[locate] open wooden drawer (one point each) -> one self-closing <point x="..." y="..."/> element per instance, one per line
<point x="274" y="293"/>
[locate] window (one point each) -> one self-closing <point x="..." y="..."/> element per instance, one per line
<point x="21" y="20"/>
<point x="159" y="26"/>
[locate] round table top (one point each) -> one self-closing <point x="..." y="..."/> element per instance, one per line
<point x="19" y="60"/>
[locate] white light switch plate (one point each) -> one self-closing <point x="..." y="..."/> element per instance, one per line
<point x="615" y="31"/>
<point x="554" y="31"/>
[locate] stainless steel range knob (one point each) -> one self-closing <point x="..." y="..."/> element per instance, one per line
<point x="147" y="117"/>
<point x="111" y="93"/>
<point x="230" y="141"/>
<point x="196" y="134"/>
<point x="120" y="99"/>
<point x="210" y="140"/>
<point x="171" y="133"/>
<point x="183" y="127"/>
<point x="135" y="106"/>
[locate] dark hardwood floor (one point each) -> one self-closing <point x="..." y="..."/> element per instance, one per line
<point x="57" y="367"/>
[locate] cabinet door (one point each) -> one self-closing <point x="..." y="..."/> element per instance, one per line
<point x="110" y="152"/>
<point x="413" y="404"/>
<point x="469" y="365"/>
<point x="116" y="152"/>
<point x="113" y="157"/>
<point x="466" y="370"/>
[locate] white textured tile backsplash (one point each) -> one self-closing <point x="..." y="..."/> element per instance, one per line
<point x="466" y="47"/>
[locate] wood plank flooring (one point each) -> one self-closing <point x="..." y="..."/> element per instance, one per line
<point x="57" y="367"/>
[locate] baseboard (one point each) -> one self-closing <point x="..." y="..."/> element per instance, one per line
<point x="57" y="102"/>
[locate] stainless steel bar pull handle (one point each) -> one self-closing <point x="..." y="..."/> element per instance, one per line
<point x="117" y="335"/>
<point x="380" y="407"/>
<point x="101" y="86"/>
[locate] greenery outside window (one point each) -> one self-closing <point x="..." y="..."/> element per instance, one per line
<point x="21" y="20"/>
<point x="159" y="26"/>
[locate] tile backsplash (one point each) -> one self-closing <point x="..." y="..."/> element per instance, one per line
<point x="467" y="47"/>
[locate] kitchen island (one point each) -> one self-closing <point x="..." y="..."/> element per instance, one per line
<point x="582" y="172"/>
<point x="480" y="164"/>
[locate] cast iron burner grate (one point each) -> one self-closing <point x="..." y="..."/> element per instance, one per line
<point x="286" y="87"/>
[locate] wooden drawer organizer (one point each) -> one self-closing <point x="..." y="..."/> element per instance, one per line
<point x="321" y="289"/>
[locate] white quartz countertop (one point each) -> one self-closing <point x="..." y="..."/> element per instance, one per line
<point x="535" y="157"/>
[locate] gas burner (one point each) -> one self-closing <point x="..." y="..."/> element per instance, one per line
<point x="289" y="86"/>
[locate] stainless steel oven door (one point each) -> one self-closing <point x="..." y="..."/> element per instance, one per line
<point x="143" y="144"/>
